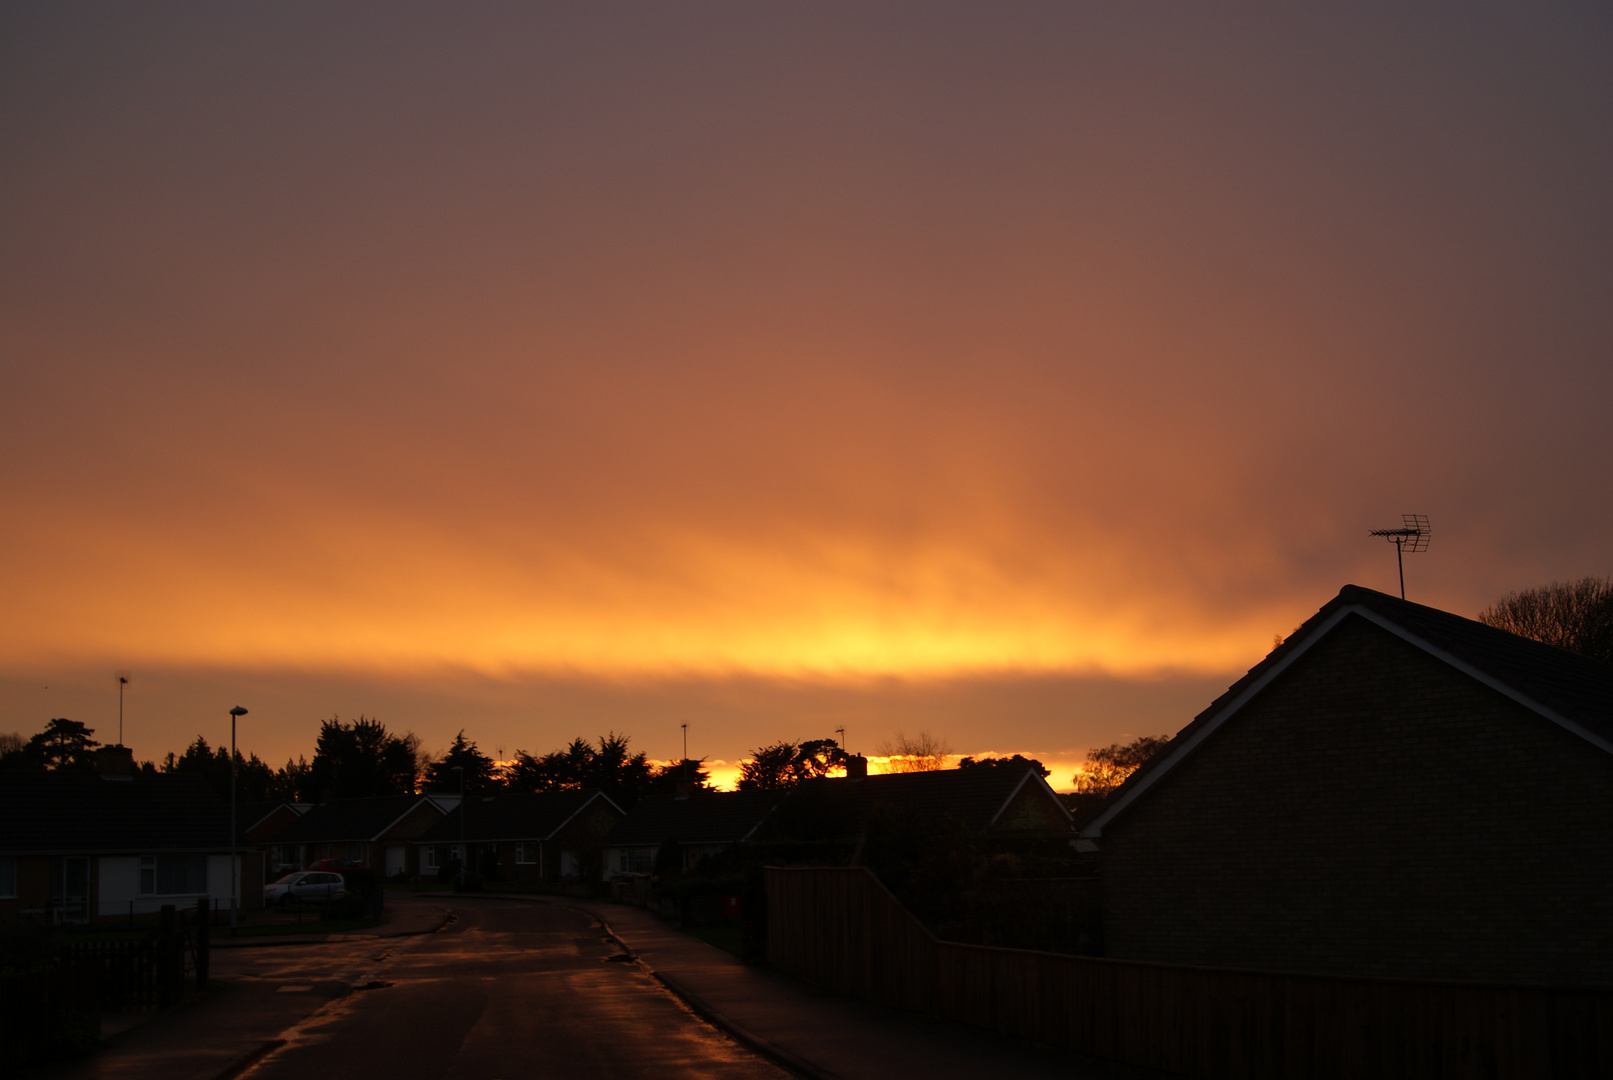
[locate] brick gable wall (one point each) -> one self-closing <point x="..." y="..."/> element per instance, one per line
<point x="1033" y="810"/>
<point x="1374" y="812"/>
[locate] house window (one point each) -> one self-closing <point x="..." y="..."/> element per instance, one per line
<point x="8" y="877"/>
<point x="526" y="853"/>
<point x="173" y="875"/>
<point x="355" y="852"/>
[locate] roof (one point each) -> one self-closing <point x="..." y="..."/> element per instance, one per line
<point x="512" y="816"/>
<point x="350" y="819"/>
<point x="975" y="797"/>
<point x="1570" y="690"/>
<point x="253" y="814"/>
<point x="82" y="812"/>
<point x="706" y="817"/>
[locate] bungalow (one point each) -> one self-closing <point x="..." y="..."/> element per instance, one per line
<point x="77" y="847"/>
<point x="263" y="822"/>
<point x="1394" y="791"/>
<point x="521" y="838"/>
<point x="987" y="801"/>
<point x="375" y="832"/>
<point x="701" y="824"/>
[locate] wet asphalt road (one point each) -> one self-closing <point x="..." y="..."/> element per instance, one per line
<point x="507" y="990"/>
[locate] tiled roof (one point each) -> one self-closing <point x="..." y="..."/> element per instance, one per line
<point x="81" y="812"/>
<point x="974" y="796"/>
<point x="348" y="820"/>
<point x="1576" y="688"/>
<point x="706" y="817"/>
<point x="510" y="816"/>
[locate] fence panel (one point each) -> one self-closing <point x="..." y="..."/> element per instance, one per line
<point x="841" y="929"/>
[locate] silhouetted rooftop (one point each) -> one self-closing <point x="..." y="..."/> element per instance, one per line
<point x="349" y="819"/>
<point x="512" y="816"/>
<point x="83" y="812"/>
<point x="1574" y="687"/>
<point x="706" y="817"/>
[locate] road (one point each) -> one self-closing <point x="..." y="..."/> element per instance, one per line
<point x="506" y="990"/>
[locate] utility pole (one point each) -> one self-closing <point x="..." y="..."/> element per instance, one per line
<point x="235" y="869"/>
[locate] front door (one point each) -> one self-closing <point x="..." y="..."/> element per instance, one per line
<point x="394" y="860"/>
<point x="72" y="888"/>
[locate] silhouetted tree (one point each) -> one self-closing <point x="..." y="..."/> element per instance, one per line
<point x="916" y="753"/>
<point x="1575" y="615"/>
<point x="610" y="768"/>
<point x="293" y="781"/>
<point x="481" y="775"/>
<point x="1018" y="761"/>
<point x="667" y="779"/>
<point x="254" y="781"/>
<point x="64" y="744"/>
<point x="362" y="759"/>
<point x="785" y="764"/>
<point x="1108" y="766"/>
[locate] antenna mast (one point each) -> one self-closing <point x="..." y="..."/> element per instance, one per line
<point x="1410" y="538"/>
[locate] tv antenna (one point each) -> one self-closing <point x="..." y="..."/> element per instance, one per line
<point x="1411" y="537"/>
<point x="123" y="680"/>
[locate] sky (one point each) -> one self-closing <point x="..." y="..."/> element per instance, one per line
<point x="1011" y="372"/>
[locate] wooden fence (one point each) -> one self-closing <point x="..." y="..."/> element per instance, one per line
<point x="841" y="929"/>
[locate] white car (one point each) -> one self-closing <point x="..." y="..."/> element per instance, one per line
<point x="304" y="887"/>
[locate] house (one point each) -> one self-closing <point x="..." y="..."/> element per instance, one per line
<point x="700" y="824"/>
<point x="376" y="832"/>
<point x="263" y="822"/>
<point x="992" y="801"/>
<point x="114" y="843"/>
<point x="1394" y="791"/>
<point x="521" y="837"/>
<point x="985" y="801"/>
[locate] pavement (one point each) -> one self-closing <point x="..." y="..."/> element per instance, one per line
<point x="403" y="915"/>
<point x="258" y="1025"/>
<point x="820" y="1035"/>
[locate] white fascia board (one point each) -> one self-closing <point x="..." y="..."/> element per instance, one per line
<point x="586" y="803"/>
<point x="1493" y="683"/>
<point x="1030" y="774"/>
<point x="1094" y="829"/>
<point x="412" y="808"/>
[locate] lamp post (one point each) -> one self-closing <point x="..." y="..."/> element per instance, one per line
<point x="235" y="870"/>
<point x="460" y="769"/>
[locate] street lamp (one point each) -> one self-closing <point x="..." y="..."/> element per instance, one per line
<point x="460" y="769"/>
<point x="235" y="870"/>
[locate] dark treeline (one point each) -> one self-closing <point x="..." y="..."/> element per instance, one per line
<point x="362" y="759"/>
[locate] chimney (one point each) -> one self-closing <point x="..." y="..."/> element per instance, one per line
<point x="115" y="762"/>
<point x="856" y="767"/>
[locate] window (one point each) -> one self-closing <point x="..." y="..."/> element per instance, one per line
<point x="526" y="852"/>
<point x="8" y="877"/>
<point x="355" y="852"/>
<point x="173" y="875"/>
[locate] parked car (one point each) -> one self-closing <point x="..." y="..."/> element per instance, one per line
<point x="304" y="887"/>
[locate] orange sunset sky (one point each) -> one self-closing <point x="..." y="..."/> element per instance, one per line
<point x="1013" y="372"/>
